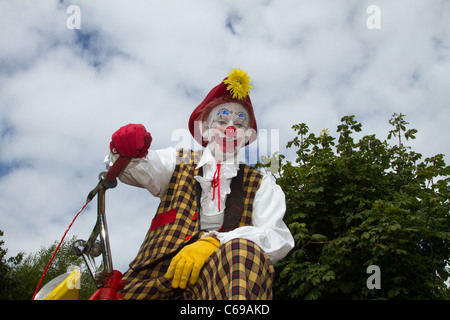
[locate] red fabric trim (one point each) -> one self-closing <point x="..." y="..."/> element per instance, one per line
<point x="163" y="219"/>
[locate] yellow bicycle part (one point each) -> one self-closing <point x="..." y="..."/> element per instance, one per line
<point x="63" y="287"/>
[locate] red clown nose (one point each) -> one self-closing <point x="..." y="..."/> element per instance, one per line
<point x="230" y="132"/>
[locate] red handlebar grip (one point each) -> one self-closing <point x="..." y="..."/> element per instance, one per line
<point x="119" y="165"/>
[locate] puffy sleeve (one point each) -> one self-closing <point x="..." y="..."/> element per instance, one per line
<point x="152" y="172"/>
<point x="268" y="231"/>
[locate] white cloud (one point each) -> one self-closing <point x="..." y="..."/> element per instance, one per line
<point x="64" y="92"/>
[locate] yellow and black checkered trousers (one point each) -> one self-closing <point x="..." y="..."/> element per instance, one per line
<point x="176" y="224"/>
<point x="237" y="270"/>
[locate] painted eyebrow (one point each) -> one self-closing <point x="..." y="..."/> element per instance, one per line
<point x="223" y="111"/>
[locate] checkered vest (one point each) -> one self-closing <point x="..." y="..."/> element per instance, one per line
<point x="177" y="220"/>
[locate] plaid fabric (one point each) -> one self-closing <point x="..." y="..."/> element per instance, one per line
<point x="167" y="239"/>
<point x="251" y="183"/>
<point x="148" y="283"/>
<point x="176" y="224"/>
<point x="237" y="270"/>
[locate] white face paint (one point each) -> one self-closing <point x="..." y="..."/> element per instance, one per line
<point x="226" y="129"/>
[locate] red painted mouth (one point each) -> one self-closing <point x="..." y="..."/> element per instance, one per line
<point x="228" y="145"/>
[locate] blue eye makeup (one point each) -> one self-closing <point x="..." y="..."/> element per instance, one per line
<point x="224" y="115"/>
<point x="242" y="116"/>
<point x="224" y="112"/>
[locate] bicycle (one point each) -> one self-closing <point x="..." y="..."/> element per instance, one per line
<point x="108" y="281"/>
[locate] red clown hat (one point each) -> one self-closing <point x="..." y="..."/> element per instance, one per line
<point x="234" y="88"/>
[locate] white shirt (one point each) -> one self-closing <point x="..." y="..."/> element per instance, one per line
<point x="211" y="218"/>
<point x="268" y="231"/>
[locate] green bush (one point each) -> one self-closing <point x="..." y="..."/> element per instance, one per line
<point x="352" y="204"/>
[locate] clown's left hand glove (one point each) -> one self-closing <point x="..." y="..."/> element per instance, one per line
<point x="186" y="265"/>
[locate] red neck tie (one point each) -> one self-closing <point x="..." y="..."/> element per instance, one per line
<point x="215" y="183"/>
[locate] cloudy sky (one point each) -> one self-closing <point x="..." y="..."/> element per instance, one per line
<point x="64" y="90"/>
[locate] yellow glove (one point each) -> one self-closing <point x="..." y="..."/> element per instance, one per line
<point x="189" y="261"/>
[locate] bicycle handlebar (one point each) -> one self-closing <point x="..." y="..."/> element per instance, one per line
<point x="108" y="179"/>
<point x="119" y="165"/>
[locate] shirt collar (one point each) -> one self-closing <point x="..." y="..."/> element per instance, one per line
<point x="208" y="158"/>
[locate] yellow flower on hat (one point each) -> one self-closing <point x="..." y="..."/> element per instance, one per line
<point x="238" y="83"/>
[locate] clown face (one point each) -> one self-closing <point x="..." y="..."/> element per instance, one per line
<point x="226" y="130"/>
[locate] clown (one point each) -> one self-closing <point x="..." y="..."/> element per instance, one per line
<point x="219" y="227"/>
